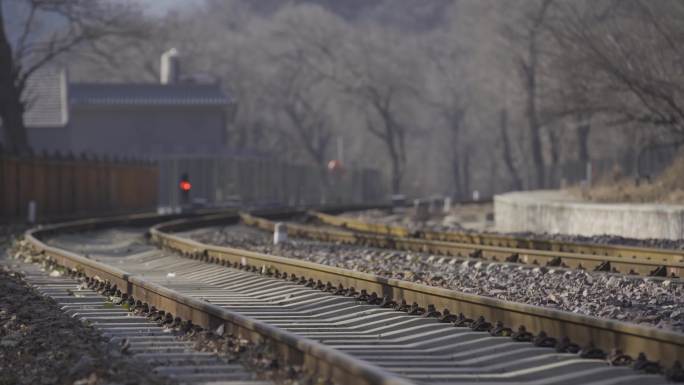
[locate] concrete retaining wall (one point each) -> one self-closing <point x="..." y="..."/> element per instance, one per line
<point x="557" y="212"/>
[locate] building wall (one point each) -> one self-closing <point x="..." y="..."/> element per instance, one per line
<point x="43" y="139"/>
<point x="147" y="130"/>
<point x="50" y="139"/>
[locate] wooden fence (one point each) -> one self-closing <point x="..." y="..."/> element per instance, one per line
<point x="71" y="187"/>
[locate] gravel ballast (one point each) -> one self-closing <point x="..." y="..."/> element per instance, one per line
<point x="646" y="301"/>
<point x="406" y="218"/>
<point x="39" y="344"/>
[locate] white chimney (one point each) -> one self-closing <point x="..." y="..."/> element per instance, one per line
<point x="170" y="67"/>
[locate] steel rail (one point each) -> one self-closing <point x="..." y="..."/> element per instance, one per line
<point x="623" y="259"/>
<point x="315" y="357"/>
<point x="661" y="345"/>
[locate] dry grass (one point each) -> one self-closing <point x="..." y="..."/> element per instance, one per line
<point x="666" y="188"/>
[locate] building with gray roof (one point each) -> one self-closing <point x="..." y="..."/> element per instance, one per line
<point x="143" y="119"/>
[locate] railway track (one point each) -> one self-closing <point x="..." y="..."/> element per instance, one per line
<point x="136" y="334"/>
<point x="332" y="322"/>
<point x="607" y="334"/>
<point x="155" y="290"/>
<point x="610" y="258"/>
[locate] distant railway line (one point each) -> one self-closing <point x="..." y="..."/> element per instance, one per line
<point x="350" y="326"/>
<point x="497" y="247"/>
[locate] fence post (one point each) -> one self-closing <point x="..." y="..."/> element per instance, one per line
<point x="4" y="212"/>
<point x="588" y="174"/>
<point x="31" y="217"/>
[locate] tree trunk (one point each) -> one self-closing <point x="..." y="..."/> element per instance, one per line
<point x="533" y="121"/>
<point x="330" y="189"/>
<point x="396" y="173"/>
<point x="583" y="129"/>
<point x="11" y="114"/>
<point x="11" y="105"/>
<point x="508" y="154"/>
<point x="396" y="152"/>
<point x="456" y="118"/>
<point x="529" y="71"/>
<point x="456" y="172"/>
<point x="466" y="174"/>
<point x="555" y="158"/>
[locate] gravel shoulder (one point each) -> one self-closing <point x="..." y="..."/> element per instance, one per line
<point x="630" y="299"/>
<point x="39" y="344"/>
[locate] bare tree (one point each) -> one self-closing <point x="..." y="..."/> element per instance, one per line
<point x="382" y="83"/>
<point x="583" y="129"/>
<point x="508" y="152"/>
<point x="570" y="101"/>
<point x="455" y="119"/>
<point x="629" y="50"/>
<point x="381" y="122"/>
<point x="304" y="74"/>
<point x="77" y="22"/>
<point x="302" y="39"/>
<point x="526" y="34"/>
<point x="306" y="110"/>
<point x="450" y="101"/>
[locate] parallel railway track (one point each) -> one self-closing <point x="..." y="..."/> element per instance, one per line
<point x="268" y="302"/>
<point x="582" y="329"/>
<point x="621" y="259"/>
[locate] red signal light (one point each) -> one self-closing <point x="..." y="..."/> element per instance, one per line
<point x="334" y="165"/>
<point x="185" y="185"/>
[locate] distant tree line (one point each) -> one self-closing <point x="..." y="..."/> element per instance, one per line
<point x="445" y="97"/>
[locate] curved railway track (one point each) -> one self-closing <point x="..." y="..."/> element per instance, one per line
<point x="136" y="334"/>
<point x="181" y="301"/>
<point x="611" y="258"/>
<point x="336" y="328"/>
